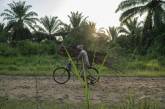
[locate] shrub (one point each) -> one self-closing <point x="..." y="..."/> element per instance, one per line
<point x="4" y="36"/>
<point x="6" y="50"/>
<point x="48" y="47"/>
<point x="27" y="47"/>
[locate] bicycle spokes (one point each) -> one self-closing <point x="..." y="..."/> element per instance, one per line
<point x="61" y="75"/>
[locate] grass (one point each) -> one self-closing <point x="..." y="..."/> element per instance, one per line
<point x="104" y="71"/>
<point x="32" y="65"/>
<point x="129" y="103"/>
<point x="45" y="64"/>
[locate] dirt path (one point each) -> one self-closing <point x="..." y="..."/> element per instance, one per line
<point x="108" y="90"/>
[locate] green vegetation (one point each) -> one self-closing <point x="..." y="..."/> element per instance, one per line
<point x="30" y="46"/>
<point x="29" y="65"/>
<point x="45" y="64"/>
<point x="130" y="103"/>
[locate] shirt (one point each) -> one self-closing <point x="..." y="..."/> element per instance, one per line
<point x="83" y="54"/>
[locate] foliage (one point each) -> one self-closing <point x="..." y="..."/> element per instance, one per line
<point x="144" y="103"/>
<point x="154" y="9"/>
<point x="19" y="18"/>
<point x="31" y="48"/>
<point x="28" y="47"/>
<point x="81" y="35"/>
<point x="4" y="35"/>
<point x="157" y="48"/>
<point x="112" y="33"/>
<point x="131" y="31"/>
<point x="30" y="65"/>
<point x="49" y="26"/>
<point x="154" y="20"/>
<point x="76" y="19"/>
<point x="6" y="50"/>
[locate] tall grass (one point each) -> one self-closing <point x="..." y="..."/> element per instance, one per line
<point x="84" y="82"/>
<point x="23" y="65"/>
<point x="145" y="103"/>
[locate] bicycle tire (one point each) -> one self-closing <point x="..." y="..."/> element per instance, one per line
<point x="93" y="75"/>
<point x="57" y="74"/>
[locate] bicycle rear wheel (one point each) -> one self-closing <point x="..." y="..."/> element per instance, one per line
<point x="93" y="75"/>
<point x="61" y="75"/>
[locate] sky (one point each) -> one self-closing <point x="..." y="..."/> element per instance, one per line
<point x="102" y="12"/>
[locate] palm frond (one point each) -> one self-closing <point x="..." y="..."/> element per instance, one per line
<point x="132" y="12"/>
<point x="50" y="24"/>
<point x="30" y="14"/>
<point x="112" y="33"/>
<point x="9" y="12"/>
<point x="127" y="4"/>
<point x="76" y="18"/>
<point x="124" y="31"/>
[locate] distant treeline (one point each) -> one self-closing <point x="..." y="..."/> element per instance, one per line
<point x="27" y="33"/>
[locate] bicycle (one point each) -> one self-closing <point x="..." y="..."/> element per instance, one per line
<point x="61" y="75"/>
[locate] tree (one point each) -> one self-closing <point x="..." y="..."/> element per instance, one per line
<point x="3" y="33"/>
<point x="2" y="27"/>
<point x="19" y="18"/>
<point x="76" y="19"/>
<point x="154" y="9"/>
<point x="50" y="25"/>
<point x="112" y="33"/>
<point x="78" y="29"/>
<point x="132" y="29"/>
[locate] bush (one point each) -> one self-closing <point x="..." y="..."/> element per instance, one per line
<point x="157" y="48"/>
<point x="6" y="50"/>
<point x="27" y="47"/>
<point x="48" y="47"/>
<point x="3" y="37"/>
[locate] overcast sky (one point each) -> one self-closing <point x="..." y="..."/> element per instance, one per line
<point x="102" y="12"/>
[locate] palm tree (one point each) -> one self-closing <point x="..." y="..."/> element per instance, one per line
<point x="19" y="17"/>
<point x="78" y="28"/>
<point x="65" y="28"/>
<point x="112" y="33"/>
<point x="2" y="27"/>
<point x="153" y="8"/>
<point x="132" y="31"/>
<point x="50" y="25"/>
<point x="76" y="19"/>
<point x="131" y="28"/>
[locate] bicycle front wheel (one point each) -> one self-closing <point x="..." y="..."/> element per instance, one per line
<point x="93" y="75"/>
<point x="61" y="75"/>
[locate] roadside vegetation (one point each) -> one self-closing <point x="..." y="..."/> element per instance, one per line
<point x="32" y="46"/>
<point x="135" y="47"/>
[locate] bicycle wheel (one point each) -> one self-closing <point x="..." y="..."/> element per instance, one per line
<point x="61" y="75"/>
<point x="93" y="75"/>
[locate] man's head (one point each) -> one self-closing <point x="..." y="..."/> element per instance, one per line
<point x="80" y="47"/>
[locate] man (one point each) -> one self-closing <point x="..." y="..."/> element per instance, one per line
<point x="85" y="60"/>
<point x="83" y="56"/>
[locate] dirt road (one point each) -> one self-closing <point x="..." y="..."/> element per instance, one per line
<point x="108" y="90"/>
